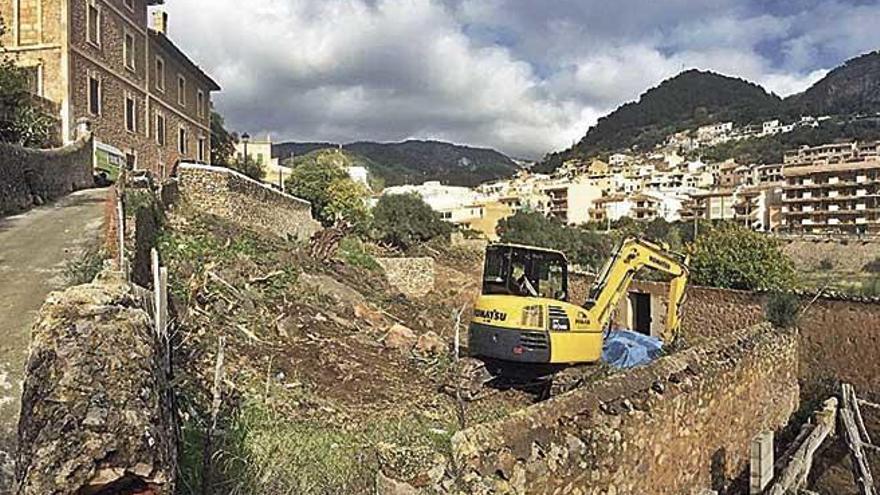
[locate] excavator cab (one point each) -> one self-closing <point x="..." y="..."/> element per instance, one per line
<point x="525" y="271"/>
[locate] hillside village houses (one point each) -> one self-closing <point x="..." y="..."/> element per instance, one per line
<point x="149" y="105"/>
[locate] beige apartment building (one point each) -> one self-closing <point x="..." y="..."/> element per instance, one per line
<point x="100" y="60"/>
<point x="833" y="152"/>
<point x="842" y="197"/>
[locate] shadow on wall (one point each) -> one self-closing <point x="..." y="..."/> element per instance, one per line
<point x="30" y="177"/>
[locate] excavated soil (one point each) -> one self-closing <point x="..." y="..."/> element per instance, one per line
<point x="309" y="344"/>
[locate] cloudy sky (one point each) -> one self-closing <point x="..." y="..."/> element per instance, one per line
<point x="523" y="76"/>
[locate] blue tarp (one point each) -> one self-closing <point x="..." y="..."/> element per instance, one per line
<point x="628" y="349"/>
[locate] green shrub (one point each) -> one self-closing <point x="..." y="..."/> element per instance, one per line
<point x="733" y="257"/>
<point x="583" y="247"/>
<point x="782" y="309"/>
<point x="405" y="220"/>
<point x="826" y="264"/>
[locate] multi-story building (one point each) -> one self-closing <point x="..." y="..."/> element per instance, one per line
<point x="842" y="197"/>
<point x="759" y="208"/>
<point x="834" y="152"/>
<point x="570" y="201"/>
<point x="100" y="60"/>
<point x="713" y="205"/>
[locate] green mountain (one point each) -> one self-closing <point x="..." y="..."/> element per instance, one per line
<point x="851" y="93"/>
<point x="852" y="88"/>
<point x="688" y="100"/>
<point x="413" y="162"/>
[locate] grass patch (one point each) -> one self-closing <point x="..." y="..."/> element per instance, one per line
<point x="355" y="253"/>
<point x="264" y="452"/>
<point x="85" y="266"/>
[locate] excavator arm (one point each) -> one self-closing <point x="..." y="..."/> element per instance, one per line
<point x="614" y="281"/>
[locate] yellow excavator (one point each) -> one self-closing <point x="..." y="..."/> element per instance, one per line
<point x="524" y="315"/>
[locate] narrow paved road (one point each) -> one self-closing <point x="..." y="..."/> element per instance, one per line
<point x="34" y="248"/>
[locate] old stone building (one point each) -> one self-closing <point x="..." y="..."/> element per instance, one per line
<point x="103" y="61"/>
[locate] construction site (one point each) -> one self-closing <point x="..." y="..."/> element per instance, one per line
<point x="230" y="345"/>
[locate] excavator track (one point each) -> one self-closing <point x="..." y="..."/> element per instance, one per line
<point x="476" y="379"/>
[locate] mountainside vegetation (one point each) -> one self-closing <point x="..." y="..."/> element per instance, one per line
<point x="417" y="161"/>
<point x="693" y="98"/>
<point x="851" y="89"/>
<point x="688" y="100"/>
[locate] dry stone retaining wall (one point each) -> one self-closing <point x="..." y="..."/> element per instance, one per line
<point x="246" y="202"/>
<point x="680" y="425"/>
<point x="839" y="338"/>
<point x="848" y="254"/>
<point x="29" y="177"/>
<point x="413" y="277"/>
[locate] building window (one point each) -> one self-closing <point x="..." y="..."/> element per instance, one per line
<point x="28" y="22"/>
<point x="181" y="140"/>
<point x="181" y="90"/>
<point x="160" y="74"/>
<point x="93" y="22"/>
<point x="202" y="150"/>
<point x="131" y="159"/>
<point x="200" y="102"/>
<point x="160" y="129"/>
<point x="34" y="75"/>
<point x="129" y="4"/>
<point x="128" y="51"/>
<point x="130" y="114"/>
<point x="94" y="95"/>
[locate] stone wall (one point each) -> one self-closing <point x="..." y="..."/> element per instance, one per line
<point x="678" y="426"/>
<point x="96" y="406"/>
<point x="849" y="254"/>
<point x="246" y="202"/>
<point x="839" y="338"/>
<point x="413" y="277"/>
<point x="29" y="177"/>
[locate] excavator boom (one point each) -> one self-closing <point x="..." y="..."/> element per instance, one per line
<point x="614" y="281"/>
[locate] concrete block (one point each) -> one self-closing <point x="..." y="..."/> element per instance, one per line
<point x="761" y="462"/>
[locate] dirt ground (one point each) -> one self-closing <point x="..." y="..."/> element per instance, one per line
<point x="307" y="353"/>
<point x="34" y="247"/>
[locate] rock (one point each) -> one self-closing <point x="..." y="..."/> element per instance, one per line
<point x="430" y="344"/>
<point x="400" y="338"/>
<point x="330" y="287"/>
<point x="388" y="486"/>
<point x="371" y="316"/>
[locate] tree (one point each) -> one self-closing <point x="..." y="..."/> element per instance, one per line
<point x="22" y="121"/>
<point x="733" y="257"/>
<point x="252" y="168"/>
<point x="348" y="204"/>
<point x="222" y="143"/>
<point x="335" y="198"/>
<point x="404" y="220"/>
<point x="583" y="247"/>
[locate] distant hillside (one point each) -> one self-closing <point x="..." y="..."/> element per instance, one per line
<point x="695" y="98"/>
<point x="852" y="88"/>
<point x="419" y="161"/>
<point x="688" y="100"/>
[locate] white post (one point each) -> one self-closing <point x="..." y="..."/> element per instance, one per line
<point x="761" y="463"/>
<point x="157" y="291"/>
<point x="163" y="300"/>
<point x="120" y="233"/>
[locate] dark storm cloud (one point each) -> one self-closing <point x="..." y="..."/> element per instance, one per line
<point x="524" y="76"/>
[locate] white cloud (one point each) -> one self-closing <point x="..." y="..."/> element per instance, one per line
<point x="525" y="77"/>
